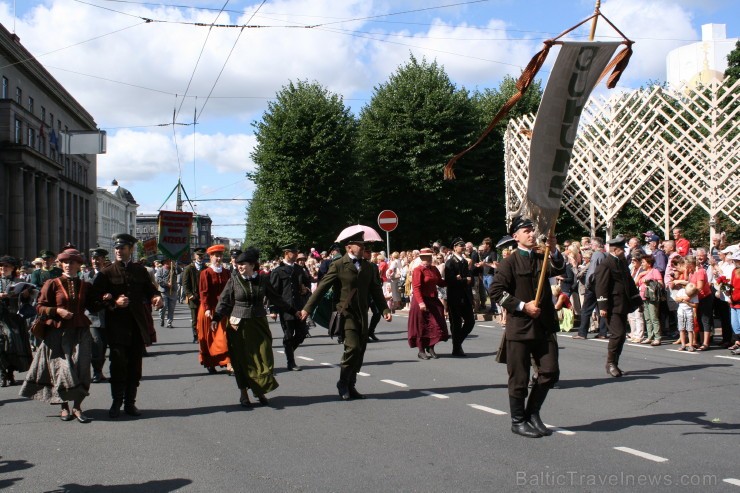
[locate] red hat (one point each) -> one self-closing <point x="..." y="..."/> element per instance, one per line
<point x="426" y="252"/>
<point x="216" y="249"/>
<point x="70" y="255"/>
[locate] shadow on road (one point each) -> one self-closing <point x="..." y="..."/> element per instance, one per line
<point x="175" y="376"/>
<point x="156" y="486"/>
<point x="671" y="419"/>
<point x="10" y="401"/>
<point x="153" y="352"/>
<point x="8" y="466"/>
<point x="632" y="375"/>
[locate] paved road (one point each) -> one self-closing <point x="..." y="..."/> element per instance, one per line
<point x="672" y="423"/>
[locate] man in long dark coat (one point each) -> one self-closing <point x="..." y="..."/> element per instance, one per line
<point x="459" y="296"/>
<point x="354" y="280"/>
<point x="97" y="328"/>
<point x="124" y="288"/>
<point x="289" y="279"/>
<point x="190" y="278"/>
<point x="616" y="296"/>
<point x="530" y="327"/>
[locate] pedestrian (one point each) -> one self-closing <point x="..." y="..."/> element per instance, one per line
<point x="616" y="296"/>
<point x="60" y="372"/>
<point x="290" y="282"/>
<point x="459" y="297"/>
<point x="249" y="338"/>
<point x="589" y="299"/>
<point x="376" y="311"/>
<point x="190" y="280"/>
<point x="530" y="326"/>
<point x="47" y="271"/>
<point x="125" y="289"/>
<point x="167" y="283"/>
<point x="735" y="301"/>
<point x="98" y="259"/>
<point x="355" y="281"/>
<point x="15" y="346"/>
<point x="426" y="324"/>
<point x="214" y="350"/>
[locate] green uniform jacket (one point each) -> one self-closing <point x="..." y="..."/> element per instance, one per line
<point x="40" y="276"/>
<point x="343" y="277"/>
<point x="190" y="278"/>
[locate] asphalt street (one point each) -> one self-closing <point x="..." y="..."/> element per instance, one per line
<point x="441" y="425"/>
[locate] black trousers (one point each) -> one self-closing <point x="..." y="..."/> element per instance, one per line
<point x="617" y="323"/>
<point x="520" y="354"/>
<point x="462" y="320"/>
<point x="355" y="343"/>
<point x="294" y="332"/>
<point x="722" y="312"/>
<point x="193" y="317"/>
<point x="126" y="367"/>
<point x="587" y="309"/>
<point x="99" y="345"/>
<point x="377" y="314"/>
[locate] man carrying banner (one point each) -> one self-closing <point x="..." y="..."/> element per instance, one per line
<point x="529" y="328"/>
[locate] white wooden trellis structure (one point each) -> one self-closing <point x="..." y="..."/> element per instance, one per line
<point x="665" y="152"/>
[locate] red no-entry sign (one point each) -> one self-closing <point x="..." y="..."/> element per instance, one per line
<point x="387" y="221"/>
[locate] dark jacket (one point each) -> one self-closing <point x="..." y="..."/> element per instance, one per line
<point x="342" y="276"/>
<point x="458" y="290"/>
<point x="190" y="278"/>
<point x="616" y="291"/>
<point x="134" y="282"/>
<point x="516" y="282"/>
<point x="289" y="282"/>
<point x="246" y="298"/>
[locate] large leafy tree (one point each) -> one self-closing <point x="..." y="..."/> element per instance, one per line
<point x="413" y="124"/>
<point x="304" y="158"/>
<point x="733" y="63"/>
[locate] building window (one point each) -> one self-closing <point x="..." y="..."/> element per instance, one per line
<point x="19" y="95"/>
<point x="30" y="104"/>
<point x="43" y="115"/>
<point x="18" y="131"/>
<point x="5" y="88"/>
<point x="31" y="141"/>
<point x="51" y="121"/>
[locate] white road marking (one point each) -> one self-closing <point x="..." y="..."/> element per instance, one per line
<point x="728" y="357"/>
<point x="304" y="358"/>
<point x="434" y="394"/>
<point x="637" y="344"/>
<point x="562" y="431"/>
<point x="644" y="455"/>
<point x="489" y="326"/>
<point x="488" y="409"/>
<point x="734" y="481"/>
<point x="281" y="352"/>
<point x="328" y="364"/>
<point x="599" y="340"/>
<point x="393" y="382"/>
<point x="687" y="352"/>
<point x="363" y="374"/>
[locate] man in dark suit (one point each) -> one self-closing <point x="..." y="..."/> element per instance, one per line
<point x="97" y="328"/>
<point x="459" y="297"/>
<point x="289" y="279"/>
<point x="190" y="278"/>
<point x="530" y="325"/>
<point x="616" y="296"/>
<point x="352" y="277"/>
<point x="124" y="289"/>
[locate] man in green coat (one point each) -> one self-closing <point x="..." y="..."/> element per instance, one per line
<point x="47" y="271"/>
<point x="356" y="282"/>
<point x="190" y="279"/>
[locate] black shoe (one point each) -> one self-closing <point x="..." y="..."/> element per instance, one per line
<point x="244" y="402"/>
<point x="131" y="410"/>
<point x="81" y="417"/>
<point x="612" y="370"/>
<point x="68" y="416"/>
<point x="195" y="339"/>
<point x="539" y="426"/>
<point x="373" y="338"/>
<point x="115" y="408"/>
<point x="459" y="353"/>
<point x="161" y="323"/>
<point x="98" y="378"/>
<point x="343" y="389"/>
<point x="525" y="429"/>
<point x="263" y="400"/>
<point x="422" y="355"/>
<point x="353" y="393"/>
<point x="211" y="370"/>
<point x="293" y="367"/>
<point x="432" y="353"/>
<point x="169" y="325"/>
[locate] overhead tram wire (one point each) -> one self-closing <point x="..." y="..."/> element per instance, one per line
<point x="233" y="47"/>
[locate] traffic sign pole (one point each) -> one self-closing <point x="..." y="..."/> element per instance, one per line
<point x="387" y="221"/>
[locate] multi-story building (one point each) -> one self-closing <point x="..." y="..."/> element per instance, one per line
<point x="49" y="197"/>
<point x="116" y="214"/>
<point x="200" y="234"/>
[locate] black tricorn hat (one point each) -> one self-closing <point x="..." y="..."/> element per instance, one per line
<point x="98" y="252"/>
<point x="122" y="239"/>
<point x="519" y="222"/>
<point x="251" y="256"/>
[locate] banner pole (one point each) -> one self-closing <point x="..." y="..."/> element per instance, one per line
<point x="595" y="20"/>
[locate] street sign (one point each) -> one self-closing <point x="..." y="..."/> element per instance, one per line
<point x="387" y="221"/>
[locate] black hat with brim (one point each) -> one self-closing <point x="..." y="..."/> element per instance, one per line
<point x="98" y="252"/>
<point x="458" y="241"/>
<point x="617" y="241"/>
<point x="291" y="247"/>
<point x="357" y="238"/>
<point x="235" y="252"/>
<point x="251" y="256"/>
<point x="45" y="254"/>
<point x="199" y="251"/>
<point x="122" y="239"/>
<point x="506" y="242"/>
<point x="519" y="222"/>
<point x="8" y="260"/>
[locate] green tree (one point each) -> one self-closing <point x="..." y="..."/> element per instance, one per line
<point x="304" y="157"/>
<point x="733" y="63"/>
<point x="413" y="124"/>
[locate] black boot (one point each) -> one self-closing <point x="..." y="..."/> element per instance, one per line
<point x="343" y="383"/>
<point x="534" y="404"/>
<point x="117" y="393"/>
<point x="519" y="423"/>
<point x="129" y="406"/>
<point x="353" y="393"/>
<point x="290" y="356"/>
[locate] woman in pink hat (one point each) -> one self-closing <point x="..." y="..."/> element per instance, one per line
<point x="427" y="325"/>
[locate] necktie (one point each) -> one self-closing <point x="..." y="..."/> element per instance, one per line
<point x="357" y="264"/>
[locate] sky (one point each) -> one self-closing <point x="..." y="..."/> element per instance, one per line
<point x="137" y="77"/>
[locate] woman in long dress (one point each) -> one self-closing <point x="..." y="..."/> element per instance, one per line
<point x="214" y="350"/>
<point x="15" y="346"/>
<point x="241" y="307"/>
<point x="427" y="325"/>
<point x="60" y="372"/>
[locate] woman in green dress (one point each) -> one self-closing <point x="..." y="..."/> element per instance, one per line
<point x="248" y="334"/>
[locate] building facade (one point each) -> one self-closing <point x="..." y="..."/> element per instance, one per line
<point x="49" y="197"/>
<point x="700" y="62"/>
<point x="116" y="214"/>
<point x="200" y="233"/>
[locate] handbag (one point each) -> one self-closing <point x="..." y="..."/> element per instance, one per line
<point x="336" y="321"/>
<point x="38" y="327"/>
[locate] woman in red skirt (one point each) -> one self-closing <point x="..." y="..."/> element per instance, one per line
<point x="427" y="325"/>
<point x="214" y="350"/>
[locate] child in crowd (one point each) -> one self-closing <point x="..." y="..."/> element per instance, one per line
<point x="563" y="307"/>
<point x="688" y="299"/>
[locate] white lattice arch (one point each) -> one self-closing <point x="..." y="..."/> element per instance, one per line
<point x="665" y="152"/>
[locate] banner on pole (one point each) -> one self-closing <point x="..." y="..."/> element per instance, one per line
<point x="174" y="233"/>
<point x="576" y="72"/>
<point x="150" y="246"/>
